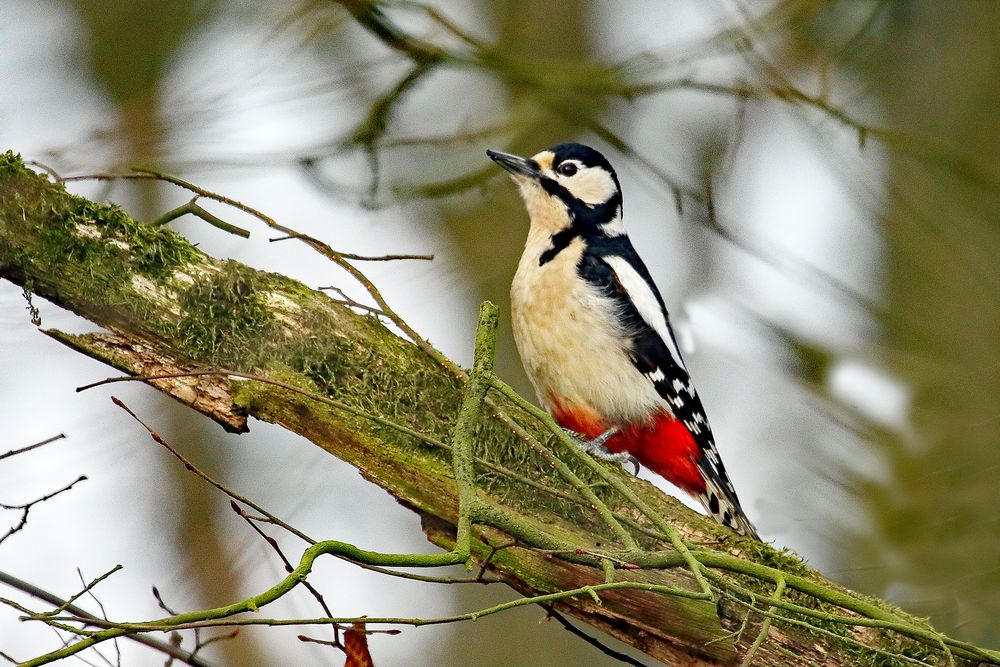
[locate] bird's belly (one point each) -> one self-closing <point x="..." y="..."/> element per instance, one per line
<point x="575" y="351"/>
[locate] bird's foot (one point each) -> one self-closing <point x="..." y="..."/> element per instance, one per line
<point x="595" y="447"/>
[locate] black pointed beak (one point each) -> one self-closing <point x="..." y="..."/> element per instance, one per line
<point x="515" y="164"/>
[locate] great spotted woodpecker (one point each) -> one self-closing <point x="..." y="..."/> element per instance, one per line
<point x="594" y="335"/>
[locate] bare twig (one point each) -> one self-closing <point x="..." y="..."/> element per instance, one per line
<point x="88" y="589"/>
<point x="26" y="507"/>
<point x="593" y="641"/>
<point x="348" y="301"/>
<point x="46" y="168"/>
<point x="494" y="548"/>
<point x="85" y="616"/>
<point x="199" y="643"/>
<point x="33" y="312"/>
<point x="273" y="543"/>
<point x="15" y="452"/>
<point x="359" y="258"/>
<point x="160" y="602"/>
<point x="221" y="487"/>
<point x="765" y="627"/>
<point x="197" y="211"/>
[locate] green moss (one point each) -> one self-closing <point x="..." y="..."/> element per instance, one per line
<point x="225" y="319"/>
<point x="155" y="252"/>
<point x="893" y="649"/>
<point x="374" y="377"/>
<point x="99" y="247"/>
<point x="896" y="651"/>
<point x="785" y="560"/>
<point x="78" y="229"/>
<point x="9" y="162"/>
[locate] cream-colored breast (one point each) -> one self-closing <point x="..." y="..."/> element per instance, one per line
<point x="570" y="341"/>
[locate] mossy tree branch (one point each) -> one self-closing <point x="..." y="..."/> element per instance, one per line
<point x="594" y="543"/>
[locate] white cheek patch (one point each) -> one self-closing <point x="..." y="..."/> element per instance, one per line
<point x="645" y="302"/>
<point x="591" y="185"/>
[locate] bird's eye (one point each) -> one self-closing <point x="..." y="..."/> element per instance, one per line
<point x="566" y="168"/>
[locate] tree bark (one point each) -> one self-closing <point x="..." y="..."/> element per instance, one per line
<point x="169" y="308"/>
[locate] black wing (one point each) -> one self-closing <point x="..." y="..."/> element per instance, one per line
<point x="660" y="361"/>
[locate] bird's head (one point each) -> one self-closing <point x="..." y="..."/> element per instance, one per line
<point x="568" y="184"/>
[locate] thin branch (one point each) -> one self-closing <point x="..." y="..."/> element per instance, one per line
<point x="161" y="603"/>
<point x="273" y="543"/>
<point x="593" y="641"/>
<point x="15" y="452"/>
<point x="199" y="643"/>
<point x="359" y="258"/>
<point x="218" y="638"/>
<point x="85" y="617"/>
<point x="784" y="93"/>
<point x="214" y="617"/>
<point x="86" y="589"/>
<point x="33" y="312"/>
<point x="348" y="301"/>
<point x="197" y="471"/>
<point x="277" y="383"/>
<point x="765" y="627"/>
<point x="494" y="548"/>
<point x="46" y="168"/>
<point x="197" y="211"/>
<point x="26" y="507"/>
<point x="52" y="623"/>
<point x="369" y="15"/>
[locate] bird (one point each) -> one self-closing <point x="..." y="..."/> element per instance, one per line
<point x="594" y="334"/>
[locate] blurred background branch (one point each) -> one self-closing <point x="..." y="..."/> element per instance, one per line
<point x="814" y="183"/>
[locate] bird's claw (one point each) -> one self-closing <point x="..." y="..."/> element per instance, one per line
<point x="595" y="447"/>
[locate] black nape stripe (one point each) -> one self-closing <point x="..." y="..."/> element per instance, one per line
<point x="560" y="241"/>
<point x="585" y="223"/>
